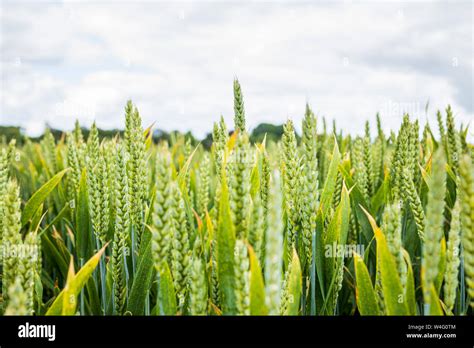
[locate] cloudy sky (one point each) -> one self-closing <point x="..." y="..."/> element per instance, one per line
<point x="176" y="60"/>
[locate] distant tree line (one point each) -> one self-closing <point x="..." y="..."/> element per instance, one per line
<point x="272" y="133"/>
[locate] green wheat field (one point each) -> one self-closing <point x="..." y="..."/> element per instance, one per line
<point x="322" y="224"/>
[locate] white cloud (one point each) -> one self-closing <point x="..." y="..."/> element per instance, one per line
<point x="177" y="61"/>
